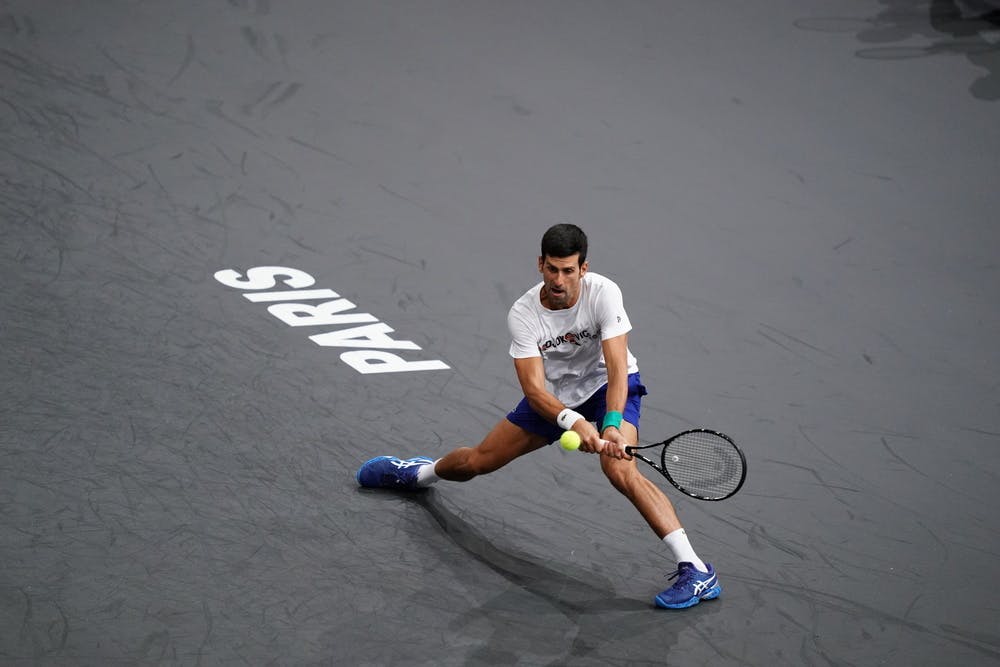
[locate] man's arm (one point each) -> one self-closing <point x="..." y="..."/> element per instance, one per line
<point x="531" y="375"/>
<point x="616" y="359"/>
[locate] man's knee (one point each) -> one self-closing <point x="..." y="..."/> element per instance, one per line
<point x="622" y="474"/>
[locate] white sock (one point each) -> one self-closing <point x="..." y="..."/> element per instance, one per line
<point x="426" y="475"/>
<point x="679" y="545"/>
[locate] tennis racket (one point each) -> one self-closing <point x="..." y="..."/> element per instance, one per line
<point x="703" y="464"/>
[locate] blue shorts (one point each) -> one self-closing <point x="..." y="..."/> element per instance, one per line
<point x="592" y="409"/>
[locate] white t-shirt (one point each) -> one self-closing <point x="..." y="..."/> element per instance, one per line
<point x="569" y="340"/>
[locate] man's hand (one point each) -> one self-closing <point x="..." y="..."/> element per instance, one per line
<point x="590" y="439"/>
<point x="615" y="444"/>
<point x="612" y="444"/>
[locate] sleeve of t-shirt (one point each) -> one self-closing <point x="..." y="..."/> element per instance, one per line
<point x="522" y="340"/>
<point x="610" y="311"/>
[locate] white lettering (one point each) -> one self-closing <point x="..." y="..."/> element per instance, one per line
<point x="373" y="361"/>
<point x="301" y="315"/>
<point x="263" y="277"/>
<point x="294" y="295"/>
<point x="371" y="336"/>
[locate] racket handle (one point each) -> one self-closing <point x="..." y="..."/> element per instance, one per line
<point x="628" y="448"/>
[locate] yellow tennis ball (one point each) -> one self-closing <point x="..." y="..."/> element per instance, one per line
<point x="570" y="440"/>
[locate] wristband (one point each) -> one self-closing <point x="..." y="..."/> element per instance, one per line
<point x="567" y="418"/>
<point x="612" y="418"/>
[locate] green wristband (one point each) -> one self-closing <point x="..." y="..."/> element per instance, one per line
<point x="612" y="418"/>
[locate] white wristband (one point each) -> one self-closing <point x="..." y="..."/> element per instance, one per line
<point x="567" y="418"/>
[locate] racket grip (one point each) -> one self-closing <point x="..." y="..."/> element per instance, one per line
<point x="628" y="448"/>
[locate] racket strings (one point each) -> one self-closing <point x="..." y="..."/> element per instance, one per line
<point x="704" y="464"/>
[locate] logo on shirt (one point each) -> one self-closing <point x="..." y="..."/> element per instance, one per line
<point x="569" y="338"/>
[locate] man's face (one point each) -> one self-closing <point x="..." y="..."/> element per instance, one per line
<point x="561" y="276"/>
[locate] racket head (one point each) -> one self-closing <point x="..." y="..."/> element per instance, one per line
<point x="704" y="464"/>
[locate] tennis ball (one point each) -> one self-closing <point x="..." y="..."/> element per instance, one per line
<point x="570" y="440"/>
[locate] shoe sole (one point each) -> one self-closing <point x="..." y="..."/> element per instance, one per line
<point x="711" y="594"/>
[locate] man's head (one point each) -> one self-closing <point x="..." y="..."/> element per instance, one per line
<point x="564" y="240"/>
<point x="563" y="263"/>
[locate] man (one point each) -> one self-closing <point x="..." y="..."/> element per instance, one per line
<point x="571" y="329"/>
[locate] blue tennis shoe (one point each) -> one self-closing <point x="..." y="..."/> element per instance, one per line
<point x="692" y="586"/>
<point x="390" y="472"/>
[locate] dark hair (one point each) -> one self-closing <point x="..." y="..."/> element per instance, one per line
<point x="563" y="240"/>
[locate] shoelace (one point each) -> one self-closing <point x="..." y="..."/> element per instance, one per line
<point x="677" y="572"/>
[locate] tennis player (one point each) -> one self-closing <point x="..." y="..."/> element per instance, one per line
<point x="571" y="330"/>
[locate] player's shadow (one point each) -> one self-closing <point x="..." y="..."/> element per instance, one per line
<point x="946" y="27"/>
<point x="546" y="602"/>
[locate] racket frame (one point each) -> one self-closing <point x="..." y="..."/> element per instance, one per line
<point x="664" y="469"/>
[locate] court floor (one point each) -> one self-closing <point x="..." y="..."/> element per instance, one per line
<point x="799" y="202"/>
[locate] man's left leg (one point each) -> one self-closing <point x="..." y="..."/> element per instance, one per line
<point x="696" y="579"/>
<point x="652" y="503"/>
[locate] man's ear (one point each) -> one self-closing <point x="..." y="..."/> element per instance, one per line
<point x="541" y="263"/>
<point x="584" y="268"/>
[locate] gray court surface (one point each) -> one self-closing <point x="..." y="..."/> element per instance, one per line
<point x="799" y="200"/>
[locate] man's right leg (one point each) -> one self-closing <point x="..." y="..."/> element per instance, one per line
<point x="503" y="444"/>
